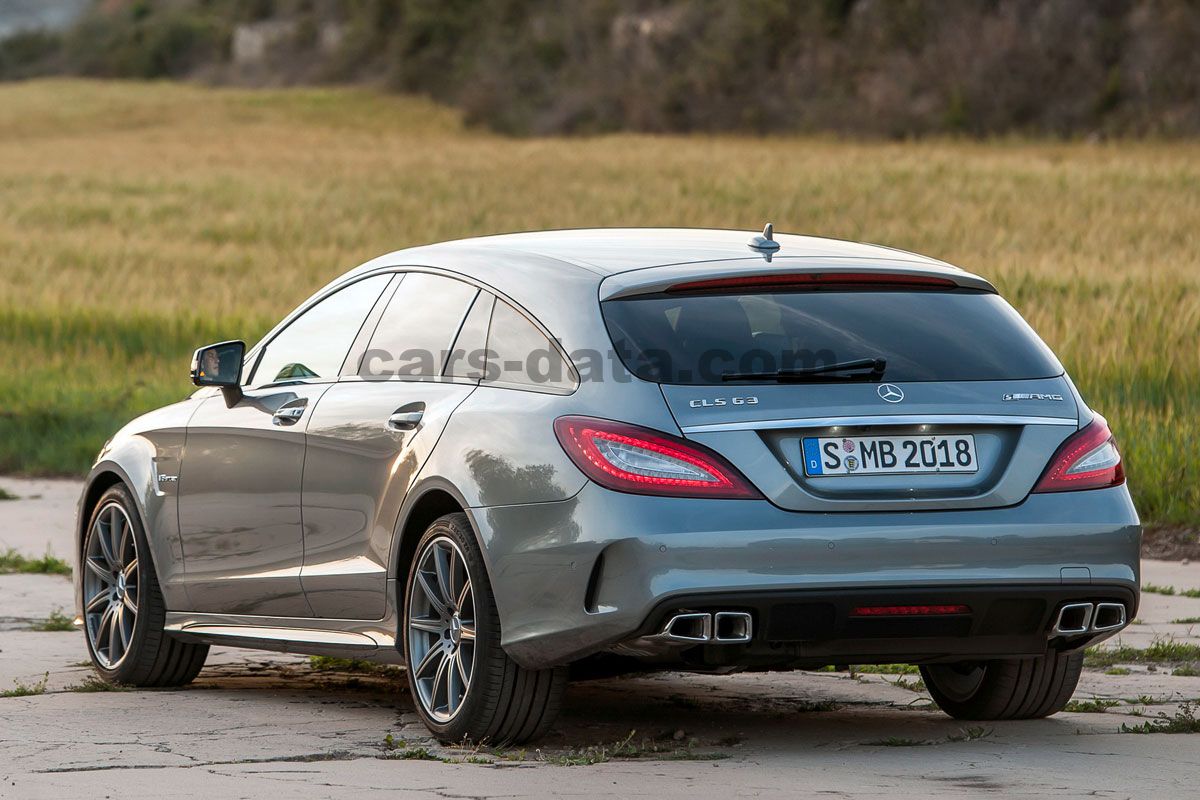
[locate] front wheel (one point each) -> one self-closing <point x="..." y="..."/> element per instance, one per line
<point x="464" y="685"/>
<point x="1027" y="688"/>
<point x="123" y="607"/>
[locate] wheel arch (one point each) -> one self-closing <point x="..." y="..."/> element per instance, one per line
<point x="131" y="466"/>
<point x="103" y="477"/>
<point x="433" y="499"/>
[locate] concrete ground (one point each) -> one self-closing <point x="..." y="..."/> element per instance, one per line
<point x="260" y="724"/>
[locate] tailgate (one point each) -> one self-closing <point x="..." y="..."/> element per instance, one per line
<point x="1013" y="427"/>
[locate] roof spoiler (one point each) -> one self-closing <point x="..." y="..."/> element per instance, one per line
<point x="800" y="274"/>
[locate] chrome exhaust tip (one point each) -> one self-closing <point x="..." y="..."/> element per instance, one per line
<point x="688" y="627"/>
<point x="732" y="626"/>
<point x="1108" y="617"/>
<point x="1074" y="618"/>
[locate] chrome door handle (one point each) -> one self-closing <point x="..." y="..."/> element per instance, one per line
<point x="405" y="420"/>
<point x="288" y="415"/>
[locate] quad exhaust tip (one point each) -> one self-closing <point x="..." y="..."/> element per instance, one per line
<point x="722" y="627"/>
<point x="1078" y="618"/>
<point x="732" y="626"/>
<point x="1108" y="616"/>
<point x="689" y="627"/>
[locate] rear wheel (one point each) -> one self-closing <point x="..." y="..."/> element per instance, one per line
<point x="463" y="684"/>
<point x="123" y="608"/>
<point x="1026" y="688"/>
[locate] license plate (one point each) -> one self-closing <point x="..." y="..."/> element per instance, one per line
<point x="888" y="455"/>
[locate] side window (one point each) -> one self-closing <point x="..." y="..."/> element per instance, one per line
<point x="520" y="356"/>
<point x="418" y="327"/>
<point x="468" y="356"/>
<point x="315" y="344"/>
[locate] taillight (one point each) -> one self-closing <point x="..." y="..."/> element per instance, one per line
<point x="630" y="458"/>
<point x="1088" y="460"/>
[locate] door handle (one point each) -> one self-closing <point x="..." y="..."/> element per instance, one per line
<point x="406" y="418"/>
<point x="288" y="415"/>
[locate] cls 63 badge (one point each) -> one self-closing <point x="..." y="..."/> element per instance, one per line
<point x="717" y="402"/>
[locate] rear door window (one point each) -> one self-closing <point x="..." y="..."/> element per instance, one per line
<point x="468" y="356"/>
<point x="957" y="335"/>
<point x="416" y="330"/>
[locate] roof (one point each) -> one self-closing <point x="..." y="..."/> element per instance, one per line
<point x="608" y="251"/>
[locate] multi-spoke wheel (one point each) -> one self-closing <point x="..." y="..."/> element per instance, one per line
<point x="464" y="686"/>
<point x="110" y="585"/>
<point x="441" y="629"/>
<point x="123" y="608"/>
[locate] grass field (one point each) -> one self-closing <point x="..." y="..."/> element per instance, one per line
<point x="138" y="221"/>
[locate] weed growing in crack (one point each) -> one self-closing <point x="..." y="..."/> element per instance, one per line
<point x="11" y="561"/>
<point x="398" y="749"/>
<point x="57" y="621"/>
<point x="913" y="686"/>
<point x="965" y="735"/>
<point x="21" y="690"/>
<point x="898" y="741"/>
<point x="93" y="683"/>
<point x="1182" y="721"/>
<point x="886" y="669"/>
<point x="1170" y="590"/>
<point x="666" y="747"/>
<point x="1094" y="706"/>
<point x="1160" y="651"/>
<point x="1146" y="700"/>
<point x="331" y="664"/>
<point x="970" y="734"/>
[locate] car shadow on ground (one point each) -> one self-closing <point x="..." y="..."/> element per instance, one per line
<point x="670" y="716"/>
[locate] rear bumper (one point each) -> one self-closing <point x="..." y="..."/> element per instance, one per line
<point x="576" y="577"/>
<point x="812" y="628"/>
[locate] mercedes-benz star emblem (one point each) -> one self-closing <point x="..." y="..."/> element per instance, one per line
<point x="890" y="392"/>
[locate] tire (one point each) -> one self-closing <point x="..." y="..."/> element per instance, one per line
<point x="1028" y="688"/>
<point x="123" y="604"/>
<point x="499" y="702"/>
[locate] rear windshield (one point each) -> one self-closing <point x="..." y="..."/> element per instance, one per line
<point x="958" y="335"/>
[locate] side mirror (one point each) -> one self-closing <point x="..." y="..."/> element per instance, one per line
<point x="220" y="365"/>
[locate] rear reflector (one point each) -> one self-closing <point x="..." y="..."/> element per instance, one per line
<point x="909" y="611"/>
<point x="816" y="280"/>
<point x="639" y="460"/>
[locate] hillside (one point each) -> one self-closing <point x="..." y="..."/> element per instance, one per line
<point x="880" y="68"/>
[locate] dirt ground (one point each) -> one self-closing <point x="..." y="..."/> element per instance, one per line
<point x="259" y="724"/>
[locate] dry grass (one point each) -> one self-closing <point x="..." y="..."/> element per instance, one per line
<point x="139" y="220"/>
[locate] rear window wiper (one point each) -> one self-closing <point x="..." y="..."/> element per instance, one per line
<point x="863" y="368"/>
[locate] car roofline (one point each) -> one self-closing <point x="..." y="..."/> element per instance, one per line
<point x="525" y="242"/>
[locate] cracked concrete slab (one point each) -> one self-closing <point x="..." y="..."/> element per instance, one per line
<point x="42" y="519"/>
<point x="258" y="724"/>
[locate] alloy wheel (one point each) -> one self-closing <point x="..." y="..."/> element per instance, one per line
<point x="110" y="585"/>
<point x="441" y="629"/>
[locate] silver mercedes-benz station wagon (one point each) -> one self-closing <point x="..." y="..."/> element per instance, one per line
<point x="505" y="460"/>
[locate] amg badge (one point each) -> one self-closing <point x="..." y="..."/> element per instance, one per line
<point x="1034" y="396"/>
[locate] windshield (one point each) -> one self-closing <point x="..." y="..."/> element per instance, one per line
<point x="960" y="335"/>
